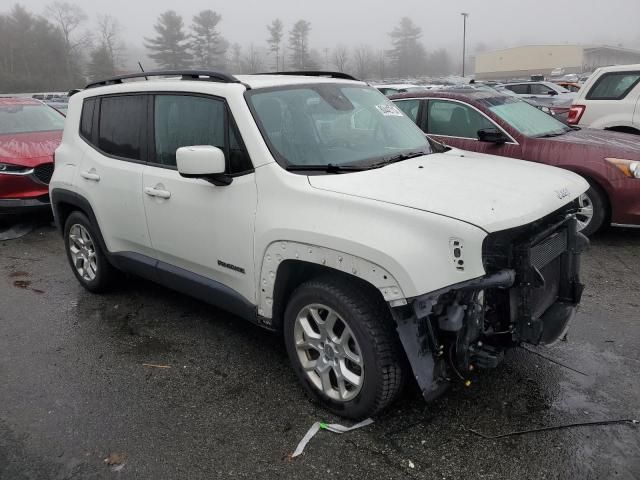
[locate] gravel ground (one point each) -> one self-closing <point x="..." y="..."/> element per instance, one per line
<point x="74" y="389"/>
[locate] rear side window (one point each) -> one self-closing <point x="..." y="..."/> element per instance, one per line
<point x="540" y="89"/>
<point x="121" y="126"/>
<point x="86" y="118"/>
<point x="184" y="120"/>
<point x="614" y="86"/>
<point x="519" y="89"/>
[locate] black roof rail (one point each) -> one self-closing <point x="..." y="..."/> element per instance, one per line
<point x="313" y="73"/>
<point x="184" y="74"/>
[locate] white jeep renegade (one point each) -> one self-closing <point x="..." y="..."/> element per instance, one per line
<point x="310" y="205"/>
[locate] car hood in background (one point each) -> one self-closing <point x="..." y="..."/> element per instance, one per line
<point x="28" y="148"/>
<point x="602" y="143"/>
<point x="493" y="193"/>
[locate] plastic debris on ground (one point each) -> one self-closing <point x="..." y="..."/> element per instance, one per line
<point x="331" y="427"/>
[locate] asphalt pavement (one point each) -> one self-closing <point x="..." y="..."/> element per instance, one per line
<point x="165" y="387"/>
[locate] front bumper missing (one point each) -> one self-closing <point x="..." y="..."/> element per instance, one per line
<point x="538" y="296"/>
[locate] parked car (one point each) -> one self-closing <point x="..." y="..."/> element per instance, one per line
<point x="554" y="96"/>
<point x="312" y="206"/>
<point x="610" y="100"/>
<point x="489" y="122"/>
<point x="30" y="132"/>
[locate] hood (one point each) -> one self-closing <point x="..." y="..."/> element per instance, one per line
<point x="493" y="193"/>
<point x="29" y="148"/>
<point x="605" y="142"/>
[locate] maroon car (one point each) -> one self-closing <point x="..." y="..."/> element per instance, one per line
<point x="487" y="121"/>
<point x="30" y="131"/>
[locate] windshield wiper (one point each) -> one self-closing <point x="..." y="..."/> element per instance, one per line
<point x="398" y="158"/>
<point x="329" y="168"/>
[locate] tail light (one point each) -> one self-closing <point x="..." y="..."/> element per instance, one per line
<point x="575" y="114"/>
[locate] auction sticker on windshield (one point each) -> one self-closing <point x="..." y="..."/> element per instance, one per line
<point x="389" y="110"/>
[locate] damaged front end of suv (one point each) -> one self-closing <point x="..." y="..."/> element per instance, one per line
<point x="529" y="294"/>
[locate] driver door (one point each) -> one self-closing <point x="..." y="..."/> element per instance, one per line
<point x="456" y="124"/>
<point x="197" y="227"/>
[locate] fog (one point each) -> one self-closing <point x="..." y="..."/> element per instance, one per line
<point x="492" y="23"/>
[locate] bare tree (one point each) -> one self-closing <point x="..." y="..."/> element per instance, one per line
<point x="363" y="59"/>
<point x="341" y="57"/>
<point x="252" y="61"/>
<point x="69" y="17"/>
<point x="109" y="31"/>
<point x="276" y="32"/>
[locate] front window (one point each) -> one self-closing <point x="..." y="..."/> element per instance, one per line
<point x="338" y="125"/>
<point x="455" y="119"/>
<point x="525" y="118"/>
<point x="19" y="118"/>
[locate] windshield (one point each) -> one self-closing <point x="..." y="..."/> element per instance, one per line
<point x="329" y="124"/>
<point x="525" y="118"/>
<point x="29" y="118"/>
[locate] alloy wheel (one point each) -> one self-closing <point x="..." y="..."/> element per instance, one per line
<point x="83" y="252"/>
<point x="585" y="214"/>
<point x="329" y="352"/>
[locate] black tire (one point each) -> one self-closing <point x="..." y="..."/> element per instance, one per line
<point x="369" y="318"/>
<point x="597" y="200"/>
<point x="104" y="273"/>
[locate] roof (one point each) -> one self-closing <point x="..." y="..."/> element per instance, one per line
<point x="551" y="45"/>
<point x="620" y="68"/>
<point x="267" y="81"/>
<point x="4" y="101"/>
<point x="453" y="93"/>
<point x="395" y="85"/>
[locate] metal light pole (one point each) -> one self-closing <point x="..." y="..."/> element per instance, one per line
<point x="464" y="39"/>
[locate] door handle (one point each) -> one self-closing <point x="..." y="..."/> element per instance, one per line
<point x="154" y="192"/>
<point x="90" y="175"/>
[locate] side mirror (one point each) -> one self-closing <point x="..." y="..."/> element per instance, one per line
<point x="553" y="93"/>
<point x="203" y="161"/>
<point x="491" y="135"/>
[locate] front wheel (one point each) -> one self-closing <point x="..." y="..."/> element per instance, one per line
<point x="593" y="211"/>
<point x="343" y="347"/>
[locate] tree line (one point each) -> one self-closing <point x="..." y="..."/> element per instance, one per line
<point x="63" y="48"/>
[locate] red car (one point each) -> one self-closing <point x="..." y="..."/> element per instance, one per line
<point x="30" y="131"/>
<point x="487" y="121"/>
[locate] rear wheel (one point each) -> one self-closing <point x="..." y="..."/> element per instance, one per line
<point x="593" y="211"/>
<point x="88" y="262"/>
<point x="343" y="347"/>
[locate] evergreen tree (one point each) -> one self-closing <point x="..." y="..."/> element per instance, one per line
<point x="208" y="46"/>
<point x="408" y="55"/>
<point x="299" y="45"/>
<point x="276" y="31"/>
<point x="170" y="48"/>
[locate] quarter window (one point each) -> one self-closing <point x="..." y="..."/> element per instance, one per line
<point x="614" y="86"/>
<point x="455" y="119"/>
<point x="121" y="127"/>
<point x="86" y="119"/>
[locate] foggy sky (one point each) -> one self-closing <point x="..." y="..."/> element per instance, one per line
<point x="496" y="23"/>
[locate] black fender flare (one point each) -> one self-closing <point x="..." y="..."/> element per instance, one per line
<point x="60" y="198"/>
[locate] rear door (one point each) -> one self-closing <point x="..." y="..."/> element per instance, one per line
<point x="113" y="132"/>
<point x="196" y="226"/>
